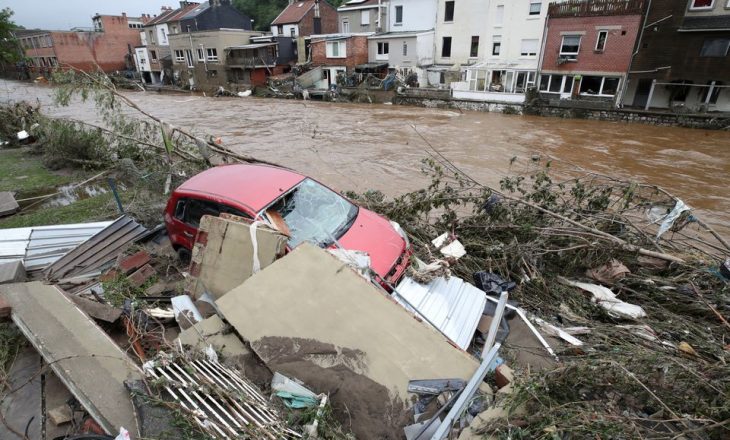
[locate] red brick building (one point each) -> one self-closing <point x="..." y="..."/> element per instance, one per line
<point x="588" y="48"/>
<point x="304" y="18"/>
<point x="338" y="53"/>
<point x="108" y="46"/>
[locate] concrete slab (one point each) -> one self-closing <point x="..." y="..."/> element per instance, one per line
<point x="213" y="331"/>
<point x="310" y="316"/>
<point x="82" y="355"/>
<point x="8" y="205"/>
<point x="22" y="408"/>
<point x="223" y="254"/>
<point x="95" y="309"/>
<point x="12" y="272"/>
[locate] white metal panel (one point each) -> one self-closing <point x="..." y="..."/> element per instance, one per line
<point x="452" y="305"/>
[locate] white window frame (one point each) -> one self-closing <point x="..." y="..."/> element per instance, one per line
<point x="563" y="79"/>
<point x="499" y="15"/>
<point x="405" y="48"/>
<point x="603" y="82"/>
<point x="701" y="8"/>
<point x="211" y="54"/>
<point x="496" y="39"/>
<point x="598" y="40"/>
<point x="539" y="10"/>
<point x="365" y="17"/>
<point x="341" y="49"/>
<point x="345" y="26"/>
<point x="382" y="50"/>
<point x="529" y="54"/>
<point x="570" y="55"/>
<point x="189" y="58"/>
<point x="179" y="56"/>
<point x="201" y="55"/>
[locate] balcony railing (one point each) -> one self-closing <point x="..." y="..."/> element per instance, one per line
<point x="252" y="61"/>
<point x="592" y="8"/>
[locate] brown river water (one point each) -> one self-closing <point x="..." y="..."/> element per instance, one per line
<point x="360" y="146"/>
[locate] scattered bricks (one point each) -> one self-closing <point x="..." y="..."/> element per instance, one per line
<point x="5" y="309"/>
<point x="60" y="415"/>
<point x="503" y="375"/>
<point x="133" y="262"/>
<point x="141" y="276"/>
<point x="110" y="275"/>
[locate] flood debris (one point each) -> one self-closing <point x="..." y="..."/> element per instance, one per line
<point x="8" y="205"/>
<point x="12" y="272"/>
<point x="604" y="297"/>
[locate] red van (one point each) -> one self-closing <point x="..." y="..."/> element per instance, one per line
<point x="311" y="211"/>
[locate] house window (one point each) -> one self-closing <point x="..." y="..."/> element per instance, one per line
<point x="336" y="49"/>
<point x="153" y="55"/>
<point x="701" y="4"/>
<point x="164" y="37"/>
<point x="474" y="50"/>
<point x="524" y="81"/>
<point x="383" y="49"/>
<point x="499" y="16"/>
<point x="528" y="48"/>
<point x="601" y="41"/>
<point x="201" y="55"/>
<point x="280" y="30"/>
<point x="556" y="83"/>
<point x="293" y="32"/>
<point x="179" y="56"/>
<point x="535" y="7"/>
<point x="405" y="49"/>
<point x="449" y="11"/>
<point x="446" y="47"/>
<point x="365" y="18"/>
<point x="345" y="27"/>
<point x="211" y="55"/>
<point x="174" y="29"/>
<point x="399" y="15"/>
<point x="496" y="45"/>
<point x="152" y="37"/>
<point x="716" y="47"/>
<point x="715" y="92"/>
<point x="189" y="57"/>
<point x="599" y="85"/>
<point x="570" y="47"/>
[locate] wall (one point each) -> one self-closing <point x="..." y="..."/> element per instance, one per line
<point x="354" y="18"/>
<point x="356" y="51"/>
<point x="470" y="17"/>
<point x="512" y="98"/>
<point x="418" y="15"/>
<point x="517" y="25"/>
<point x="217" y="16"/>
<point x="305" y="26"/>
<point x="616" y="56"/>
<point x="286" y="30"/>
<point x="395" y="56"/>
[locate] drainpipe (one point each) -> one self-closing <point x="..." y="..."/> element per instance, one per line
<point x="624" y="86"/>
<point x="542" y="50"/>
<point x="380" y="13"/>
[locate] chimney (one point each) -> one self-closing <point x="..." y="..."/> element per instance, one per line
<point x="124" y="15"/>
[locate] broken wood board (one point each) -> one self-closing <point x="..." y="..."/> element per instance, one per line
<point x="310" y="316"/>
<point x="223" y="255"/>
<point x="84" y="357"/>
<point x="8" y="205"/>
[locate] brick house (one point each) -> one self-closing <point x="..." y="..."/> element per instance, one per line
<point x="304" y="18"/>
<point x="587" y="51"/>
<point x="683" y="57"/>
<point x="107" y="47"/>
<point x="338" y="53"/>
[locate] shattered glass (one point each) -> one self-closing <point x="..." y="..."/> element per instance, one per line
<point x="315" y="213"/>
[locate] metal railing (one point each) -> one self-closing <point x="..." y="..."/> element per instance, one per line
<point x="589" y="8"/>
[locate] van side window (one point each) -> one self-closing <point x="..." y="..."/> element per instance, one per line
<point x="180" y="208"/>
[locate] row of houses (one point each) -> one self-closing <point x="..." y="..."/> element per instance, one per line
<point x="661" y="54"/>
<point x="651" y="54"/>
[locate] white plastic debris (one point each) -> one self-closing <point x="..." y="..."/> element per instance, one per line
<point x="670" y="218"/>
<point x="23" y="135"/>
<point x="439" y="241"/>
<point x="553" y="330"/>
<point x="245" y="94"/>
<point x="605" y="298"/>
<point x="123" y="435"/>
<point x="358" y="260"/>
<point x="453" y="249"/>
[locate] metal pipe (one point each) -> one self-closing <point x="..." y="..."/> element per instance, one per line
<point x="496" y="320"/>
<point x="466" y="394"/>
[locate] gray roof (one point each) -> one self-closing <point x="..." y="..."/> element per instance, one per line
<point x="713" y="22"/>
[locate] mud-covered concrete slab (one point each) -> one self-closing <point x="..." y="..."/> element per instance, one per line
<point x="223" y="255"/>
<point x="310" y="316"/>
<point x="83" y="357"/>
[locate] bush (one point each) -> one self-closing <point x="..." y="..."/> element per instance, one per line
<point x="67" y="144"/>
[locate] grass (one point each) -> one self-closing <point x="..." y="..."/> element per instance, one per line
<point x="23" y="172"/>
<point x="97" y="208"/>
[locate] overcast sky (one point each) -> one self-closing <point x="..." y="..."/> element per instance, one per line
<point x="65" y="14"/>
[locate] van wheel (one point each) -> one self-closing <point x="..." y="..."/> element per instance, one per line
<point x="184" y="255"/>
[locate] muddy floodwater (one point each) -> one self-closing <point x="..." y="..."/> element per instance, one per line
<point x="359" y="147"/>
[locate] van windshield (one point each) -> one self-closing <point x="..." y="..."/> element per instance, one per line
<point x="315" y="213"/>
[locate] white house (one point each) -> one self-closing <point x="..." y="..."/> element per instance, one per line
<point x="408" y="46"/>
<point x="496" y="44"/>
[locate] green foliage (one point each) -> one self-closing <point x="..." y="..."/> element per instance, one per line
<point x="66" y="144"/>
<point x="120" y="289"/>
<point x="11" y="340"/>
<point x="10" y="50"/>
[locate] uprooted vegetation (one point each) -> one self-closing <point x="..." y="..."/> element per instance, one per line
<point x="662" y="376"/>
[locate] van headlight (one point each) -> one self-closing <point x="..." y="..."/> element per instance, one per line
<point x="401" y="232"/>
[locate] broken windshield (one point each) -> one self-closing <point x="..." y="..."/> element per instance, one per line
<point x="315" y="213"/>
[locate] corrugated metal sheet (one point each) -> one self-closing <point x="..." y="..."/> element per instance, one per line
<point x="452" y="305"/>
<point x="98" y="250"/>
<point x="40" y="246"/>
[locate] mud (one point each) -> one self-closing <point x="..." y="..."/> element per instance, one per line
<point x="360" y="404"/>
